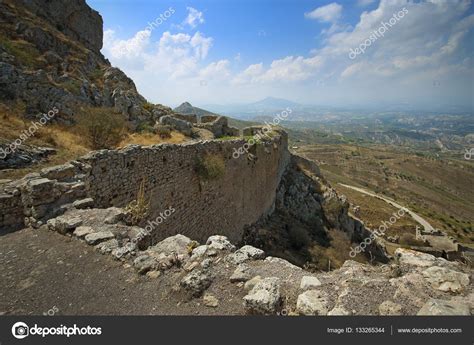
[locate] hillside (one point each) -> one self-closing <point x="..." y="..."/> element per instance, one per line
<point x="421" y="182"/>
<point x="187" y="109"/>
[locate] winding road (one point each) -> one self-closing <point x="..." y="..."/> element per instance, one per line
<point x="427" y="226"/>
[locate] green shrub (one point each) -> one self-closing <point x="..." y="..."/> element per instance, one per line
<point x="145" y="127"/>
<point x="299" y="237"/>
<point x="101" y="127"/>
<point x="163" y="131"/>
<point x="210" y="167"/>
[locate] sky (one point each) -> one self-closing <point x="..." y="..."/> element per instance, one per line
<point x="337" y="53"/>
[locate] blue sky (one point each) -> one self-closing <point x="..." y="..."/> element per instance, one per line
<point x="225" y="51"/>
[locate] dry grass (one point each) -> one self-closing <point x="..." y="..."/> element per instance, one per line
<point x="68" y="143"/>
<point x="374" y="211"/>
<point x="210" y="167"/>
<point x="147" y="139"/>
<point x="138" y="209"/>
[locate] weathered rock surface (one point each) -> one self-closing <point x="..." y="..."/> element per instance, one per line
<point x="241" y="274"/>
<point x="197" y="281"/>
<point x="64" y="224"/>
<point x="180" y="125"/>
<point x="82" y="231"/>
<point x="264" y="298"/>
<point x="312" y="302"/>
<point x="220" y="243"/>
<point x="445" y="279"/>
<point x="309" y="282"/>
<point x="441" y="307"/>
<point x="177" y="244"/>
<point x="210" y="301"/>
<point x="250" y="284"/>
<point x="246" y="253"/>
<point x="390" y="308"/>
<point x="97" y="237"/>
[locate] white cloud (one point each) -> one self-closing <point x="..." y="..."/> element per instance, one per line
<point x="177" y="55"/>
<point x="431" y="42"/>
<point x="130" y="48"/>
<point x="249" y="75"/>
<point x="216" y="71"/>
<point x="329" y="13"/>
<point x="194" y="17"/>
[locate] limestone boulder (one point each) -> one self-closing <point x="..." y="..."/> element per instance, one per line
<point x="197" y="281"/>
<point x="220" y="243"/>
<point x="244" y="254"/>
<point x="264" y="298"/>
<point x="445" y="308"/>
<point x="446" y="280"/>
<point x="309" y="282"/>
<point x="312" y="302"/>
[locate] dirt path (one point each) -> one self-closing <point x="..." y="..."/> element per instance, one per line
<point x="44" y="271"/>
<point x="415" y="216"/>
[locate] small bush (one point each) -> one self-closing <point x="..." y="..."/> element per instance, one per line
<point x="410" y="240"/>
<point x="299" y="237"/>
<point x="138" y="209"/>
<point x="163" y="131"/>
<point x="101" y="127"/>
<point x="145" y="127"/>
<point x="148" y="106"/>
<point x="210" y="167"/>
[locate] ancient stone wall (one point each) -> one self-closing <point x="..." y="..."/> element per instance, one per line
<point x="187" y="117"/>
<point x="221" y="205"/>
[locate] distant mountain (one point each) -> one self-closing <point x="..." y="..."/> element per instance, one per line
<point x="272" y="103"/>
<point x="187" y="109"/>
<point x="265" y="107"/>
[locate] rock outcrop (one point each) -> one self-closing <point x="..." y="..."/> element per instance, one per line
<point x="76" y="20"/>
<point x="50" y="57"/>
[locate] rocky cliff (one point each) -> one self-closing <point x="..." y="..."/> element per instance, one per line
<point x="50" y="57"/>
